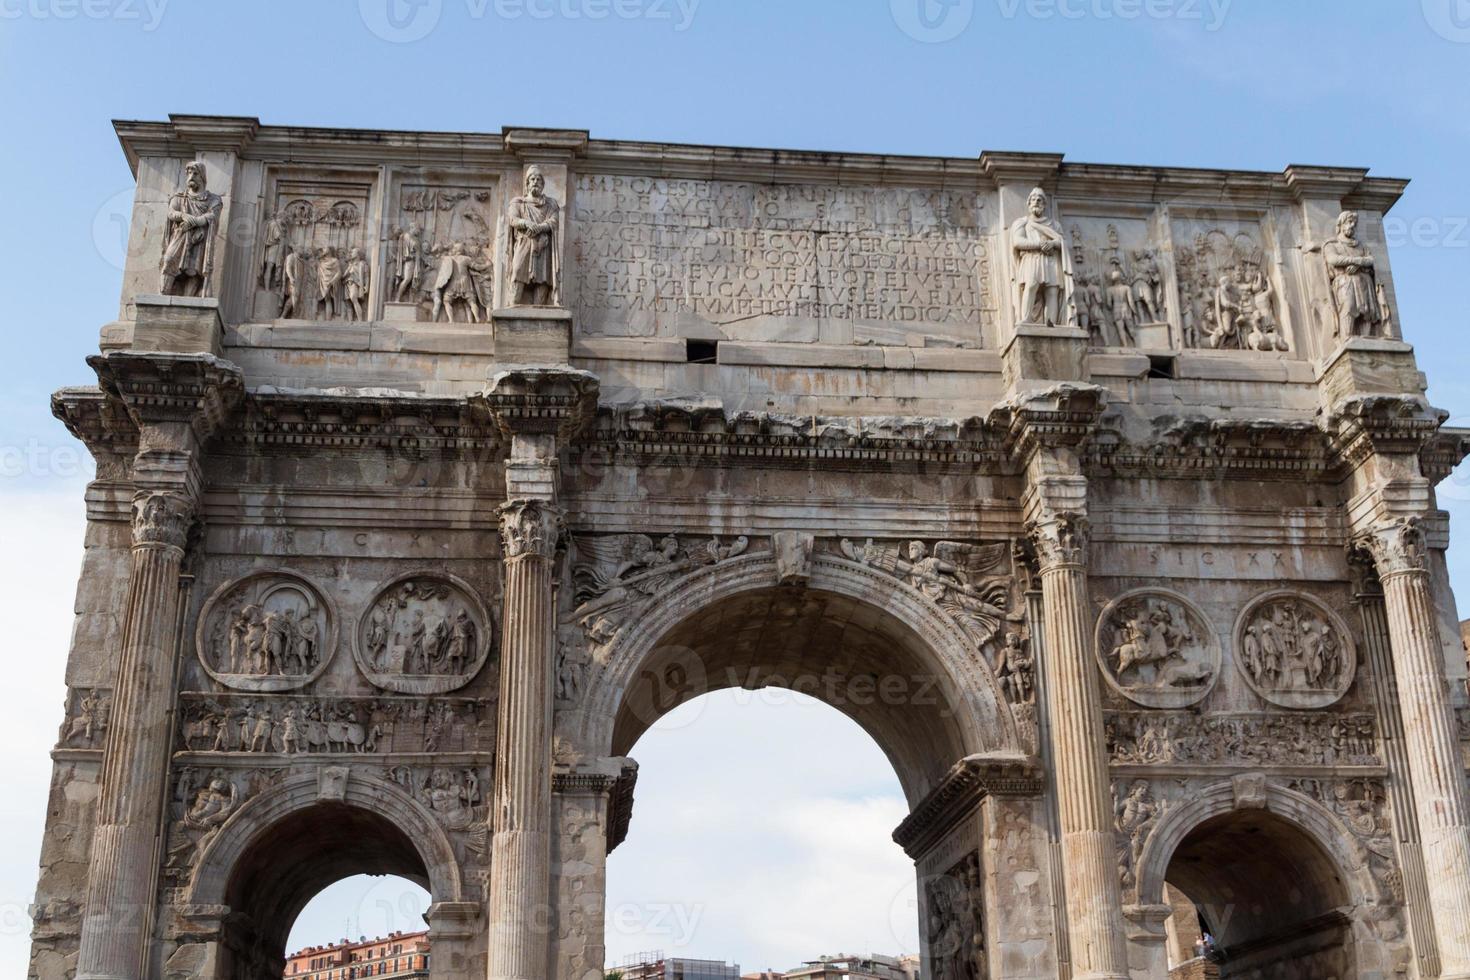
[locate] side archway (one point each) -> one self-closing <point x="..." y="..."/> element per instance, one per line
<point x="864" y="642"/>
<point x="1280" y="883"/>
<point x="285" y="845"/>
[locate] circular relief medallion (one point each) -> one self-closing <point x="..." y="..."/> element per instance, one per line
<point x="1157" y="649"/>
<point x="269" y="631"/>
<point x="424" y="634"/>
<point x="1294" y="651"/>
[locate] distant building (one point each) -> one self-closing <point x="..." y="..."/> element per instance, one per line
<point x="397" y="956"/>
<point x="656" y="966"/>
<point x="844" y="966"/>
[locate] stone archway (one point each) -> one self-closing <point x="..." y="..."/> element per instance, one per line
<point x="867" y="644"/>
<point x="732" y="624"/>
<point x="284" y="846"/>
<point x="1280" y="881"/>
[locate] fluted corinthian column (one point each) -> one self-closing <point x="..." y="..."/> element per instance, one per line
<point x="520" y="862"/>
<point x="1084" y="794"/>
<point x="122" y="875"/>
<point x="1436" y="769"/>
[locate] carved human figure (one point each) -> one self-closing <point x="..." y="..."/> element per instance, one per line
<point x="407" y="267"/>
<point x="277" y="231"/>
<point x="571" y="665"/>
<point x="1092" y="309"/>
<point x="1016" y="668"/>
<point x="1147" y="286"/>
<point x="356" y="280"/>
<point x="1260" y="312"/>
<point x="980" y="612"/>
<point x="328" y="278"/>
<point x="90" y="720"/>
<point x="1223" y="332"/>
<point x="454" y="285"/>
<point x="1132" y="816"/>
<point x="534" y="229"/>
<point x="1122" y="308"/>
<point x="1037" y="242"/>
<point x="298" y="272"/>
<point x="188" y="238"/>
<point x="291" y="731"/>
<point x="1354" y="281"/>
<point x="461" y="646"/>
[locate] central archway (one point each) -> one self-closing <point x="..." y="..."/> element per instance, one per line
<point x="864" y="642"/>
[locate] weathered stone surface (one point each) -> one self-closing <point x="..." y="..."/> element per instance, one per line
<point x="1106" y="507"/>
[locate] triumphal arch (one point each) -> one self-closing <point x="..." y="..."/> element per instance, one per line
<point x="432" y="469"/>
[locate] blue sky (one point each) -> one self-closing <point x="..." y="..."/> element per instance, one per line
<point x="1253" y="84"/>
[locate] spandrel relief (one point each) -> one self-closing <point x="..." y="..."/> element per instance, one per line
<point x="313" y="257"/>
<point x="1294" y="651"/>
<point x="424" y="634"/>
<point x="441" y="255"/>
<point x="1157" y="649"/>
<point x="270" y="631"/>
<point x="1119" y="283"/>
<point x="1230" y="298"/>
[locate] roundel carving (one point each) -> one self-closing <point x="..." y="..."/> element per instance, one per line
<point x="1156" y="648"/>
<point x="268" y="631"/>
<point x="1294" y="651"/>
<point x="425" y="633"/>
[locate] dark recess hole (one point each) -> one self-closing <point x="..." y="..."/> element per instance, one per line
<point x="1161" y="366"/>
<point x="702" y="351"/>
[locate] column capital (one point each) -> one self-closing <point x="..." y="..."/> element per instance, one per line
<point x="1396" y="546"/>
<point x="556" y="400"/>
<point x="530" y="527"/>
<point x="1061" y="539"/>
<point x="162" y="518"/>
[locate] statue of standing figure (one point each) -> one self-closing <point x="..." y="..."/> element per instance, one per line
<point x="328" y="275"/>
<point x="1355" y="287"/>
<point x="1038" y="244"/>
<point x="535" y="264"/>
<point x="406" y="275"/>
<point x="188" y="240"/>
<point x="356" y="280"/>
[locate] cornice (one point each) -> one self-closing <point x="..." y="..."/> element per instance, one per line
<point x="363" y="422"/>
<point x="1363" y="425"/>
<point x="1062" y="416"/>
<point x="1199" y="446"/>
<point x="1444" y="451"/>
<point x="967" y="783"/>
<point x="199" y="390"/>
<point x="707" y="433"/>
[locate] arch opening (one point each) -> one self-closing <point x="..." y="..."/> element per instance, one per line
<point x="293" y="860"/>
<point x="854" y="655"/>
<point x="1262" y="896"/>
<point x="763" y="838"/>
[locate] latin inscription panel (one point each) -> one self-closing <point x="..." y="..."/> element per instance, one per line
<point x="795" y="262"/>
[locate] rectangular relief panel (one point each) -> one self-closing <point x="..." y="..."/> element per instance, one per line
<point x="1231" y="282"/>
<point x="442" y="249"/>
<point x="316" y="251"/>
<point x="657" y="257"/>
<point x="1120" y="279"/>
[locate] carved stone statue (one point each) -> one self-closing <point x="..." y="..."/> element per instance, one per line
<point x="1355" y="289"/>
<point x="276" y="243"/>
<point x="454" y="284"/>
<point x="407" y="265"/>
<point x="189" y="232"/>
<point x="534" y="220"/>
<point x="1016" y="668"/>
<point x="958" y="577"/>
<point x="298" y="274"/>
<point x="1038" y="245"/>
<point x="1148" y="285"/>
<point x="1133" y="817"/>
<point x="356" y="279"/>
<point x="328" y="277"/>
<point x="1122" y="308"/>
<point x="266" y="632"/>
